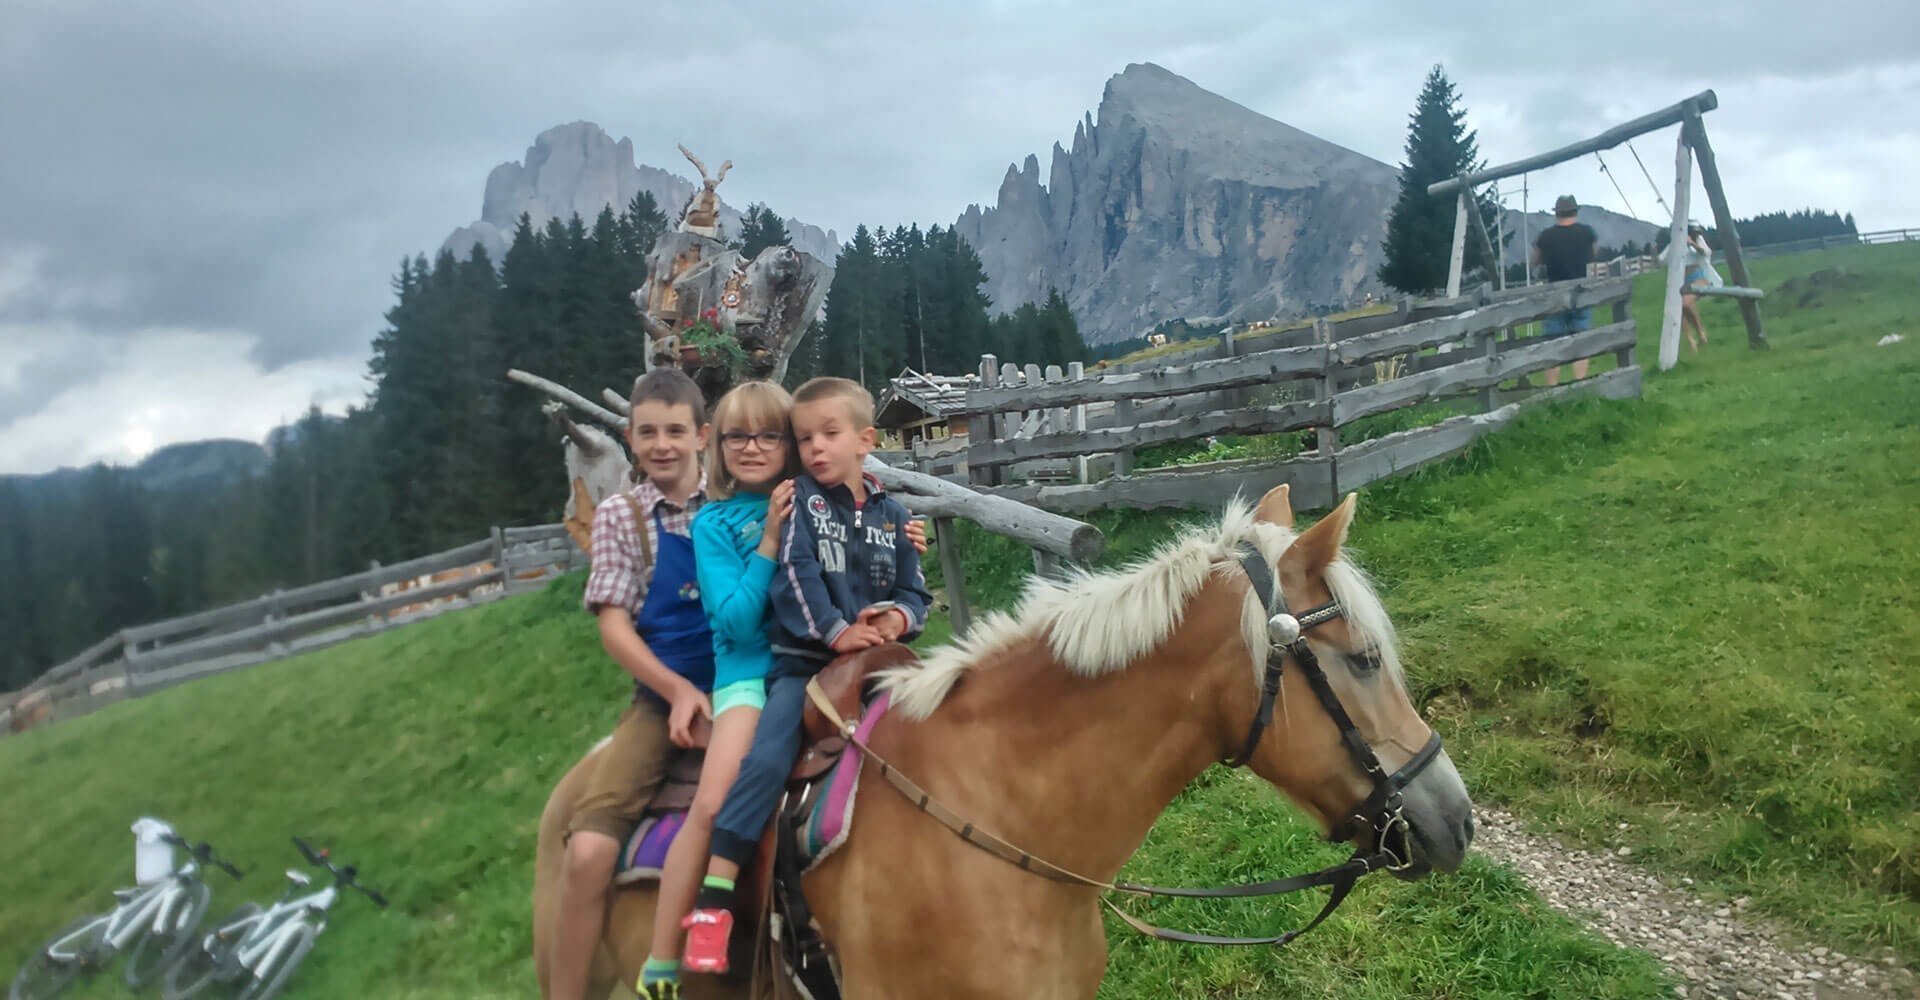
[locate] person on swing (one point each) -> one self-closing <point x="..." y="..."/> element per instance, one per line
<point x="849" y="579"/>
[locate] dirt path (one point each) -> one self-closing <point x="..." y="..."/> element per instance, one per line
<point x="1714" y="950"/>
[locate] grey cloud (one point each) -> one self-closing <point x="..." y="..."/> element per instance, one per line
<point x="54" y="367"/>
<point x="262" y="169"/>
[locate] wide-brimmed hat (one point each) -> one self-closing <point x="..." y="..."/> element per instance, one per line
<point x="1565" y="205"/>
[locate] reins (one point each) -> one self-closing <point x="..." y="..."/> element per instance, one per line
<point x="1381" y="809"/>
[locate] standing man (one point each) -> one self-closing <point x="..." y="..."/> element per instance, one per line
<point x="1565" y="249"/>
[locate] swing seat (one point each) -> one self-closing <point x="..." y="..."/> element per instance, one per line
<point x="1731" y="292"/>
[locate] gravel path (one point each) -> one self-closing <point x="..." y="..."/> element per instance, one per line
<point x="1714" y="950"/>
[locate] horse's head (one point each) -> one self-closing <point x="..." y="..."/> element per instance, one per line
<point x="1305" y="751"/>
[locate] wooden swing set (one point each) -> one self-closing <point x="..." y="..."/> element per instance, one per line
<point x="1692" y="144"/>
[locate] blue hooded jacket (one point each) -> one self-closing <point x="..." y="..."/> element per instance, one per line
<point x="835" y="561"/>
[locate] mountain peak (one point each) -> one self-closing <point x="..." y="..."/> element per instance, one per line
<point x="1175" y="202"/>
<point x="578" y="169"/>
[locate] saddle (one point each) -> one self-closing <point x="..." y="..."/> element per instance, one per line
<point x="784" y="923"/>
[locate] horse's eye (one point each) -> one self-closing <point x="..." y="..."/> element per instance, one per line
<point x="1366" y="661"/>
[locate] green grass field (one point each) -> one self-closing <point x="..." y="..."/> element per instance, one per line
<point x="1694" y="615"/>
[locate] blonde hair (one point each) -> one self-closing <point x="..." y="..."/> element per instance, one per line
<point x="859" y="401"/>
<point x="751" y="406"/>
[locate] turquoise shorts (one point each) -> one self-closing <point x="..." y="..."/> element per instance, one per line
<point x="740" y="694"/>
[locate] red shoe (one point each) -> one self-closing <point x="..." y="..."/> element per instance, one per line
<point x="707" y="934"/>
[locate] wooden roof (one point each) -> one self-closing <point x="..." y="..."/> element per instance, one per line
<point x="912" y="397"/>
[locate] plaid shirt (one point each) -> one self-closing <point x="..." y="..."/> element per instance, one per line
<point x="620" y="570"/>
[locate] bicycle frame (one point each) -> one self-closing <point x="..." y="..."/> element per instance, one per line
<point x="271" y="931"/>
<point x="147" y="909"/>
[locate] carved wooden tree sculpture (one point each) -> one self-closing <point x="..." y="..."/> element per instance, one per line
<point x="708" y="310"/>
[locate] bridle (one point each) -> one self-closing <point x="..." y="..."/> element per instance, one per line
<point x="1381" y="811"/>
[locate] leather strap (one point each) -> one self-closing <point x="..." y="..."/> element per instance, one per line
<point x="1340" y="877"/>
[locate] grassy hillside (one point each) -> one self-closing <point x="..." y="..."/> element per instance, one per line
<point x="1696" y="615"/>
<point x="1693" y="615"/>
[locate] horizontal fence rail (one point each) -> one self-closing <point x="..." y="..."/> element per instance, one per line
<point x="144" y="658"/>
<point x="1348" y="372"/>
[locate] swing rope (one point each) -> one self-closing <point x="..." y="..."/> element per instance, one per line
<point x="1616" y="186"/>
<point x="1664" y="207"/>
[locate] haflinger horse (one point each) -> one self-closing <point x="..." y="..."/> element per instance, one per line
<point x="1066" y="726"/>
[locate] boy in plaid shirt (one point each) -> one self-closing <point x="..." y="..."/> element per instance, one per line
<point x="644" y="592"/>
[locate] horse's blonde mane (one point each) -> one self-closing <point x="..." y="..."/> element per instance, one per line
<point x="1097" y="623"/>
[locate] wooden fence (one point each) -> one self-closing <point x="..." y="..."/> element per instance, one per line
<point x="1342" y="373"/>
<point x="146" y="658"/>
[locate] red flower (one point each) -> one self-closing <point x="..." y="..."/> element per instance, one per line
<point x="710" y="314"/>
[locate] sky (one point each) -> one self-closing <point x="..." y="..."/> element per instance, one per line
<point x="202" y="204"/>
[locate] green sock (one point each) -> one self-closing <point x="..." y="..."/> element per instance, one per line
<point x="659" y="970"/>
<point x="716" y="893"/>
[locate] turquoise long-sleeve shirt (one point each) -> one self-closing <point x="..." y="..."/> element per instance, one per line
<point x="733" y="585"/>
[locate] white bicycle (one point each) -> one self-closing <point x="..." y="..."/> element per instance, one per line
<point x="256" y="951"/>
<point x="153" y="924"/>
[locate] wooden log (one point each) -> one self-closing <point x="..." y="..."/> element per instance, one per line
<point x="1265" y="420"/>
<point x="1311" y="477"/>
<point x="1695" y="132"/>
<point x="1544" y="300"/>
<point x="1405" y="451"/>
<point x="1457" y="261"/>
<point x="1676" y="256"/>
<point x="1704" y="101"/>
<point x="1047" y="564"/>
<point x="569" y="397"/>
<point x="1225" y="373"/>
<point x="934" y="497"/>
<point x="947" y="540"/>
<point x="620" y="404"/>
<point x="1477" y="372"/>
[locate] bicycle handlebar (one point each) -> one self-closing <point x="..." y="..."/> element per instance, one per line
<point x="347" y="875"/>
<point x="203" y="853"/>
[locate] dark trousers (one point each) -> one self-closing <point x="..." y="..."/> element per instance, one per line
<point x="763" y="774"/>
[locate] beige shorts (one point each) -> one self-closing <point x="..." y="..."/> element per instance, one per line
<point x="626" y="776"/>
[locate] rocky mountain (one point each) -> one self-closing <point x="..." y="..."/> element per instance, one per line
<point x="579" y="168"/>
<point x="1178" y="203"/>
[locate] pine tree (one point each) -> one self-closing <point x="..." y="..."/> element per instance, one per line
<point x="760" y="228"/>
<point x="1419" y="242"/>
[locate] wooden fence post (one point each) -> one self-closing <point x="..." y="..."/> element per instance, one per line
<point x="1078" y="421"/>
<point x="1123" y="418"/>
<point x="1047" y="564"/>
<point x="954" y="573"/>
<point x="1490" y="349"/>
<point x="1695" y="133"/>
<point x="1326" y="438"/>
<point x="1676" y="255"/>
<point x="275" y="611"/>
<point x="1458" y="260"/>
<point x="371" y="592"/>
<point x="499" y="549"/>
<point x="980" y="427"/>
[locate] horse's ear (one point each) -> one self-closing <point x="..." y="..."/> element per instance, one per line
<point x="1319" y="545"/>
<point x="1276" y="507"/>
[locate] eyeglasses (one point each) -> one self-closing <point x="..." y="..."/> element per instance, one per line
<point x="737" y="440"/>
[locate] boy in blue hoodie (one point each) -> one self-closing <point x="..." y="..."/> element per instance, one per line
<point x="849" y="579"/>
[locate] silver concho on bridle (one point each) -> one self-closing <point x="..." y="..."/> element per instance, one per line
<point x="1283" y="629"/>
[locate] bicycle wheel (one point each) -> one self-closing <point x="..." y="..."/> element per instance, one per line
<point x="65" y="955"/>
<point x="268" y="982"/>
<point x="212" y="958"/>
<point x="157" y="950"/>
